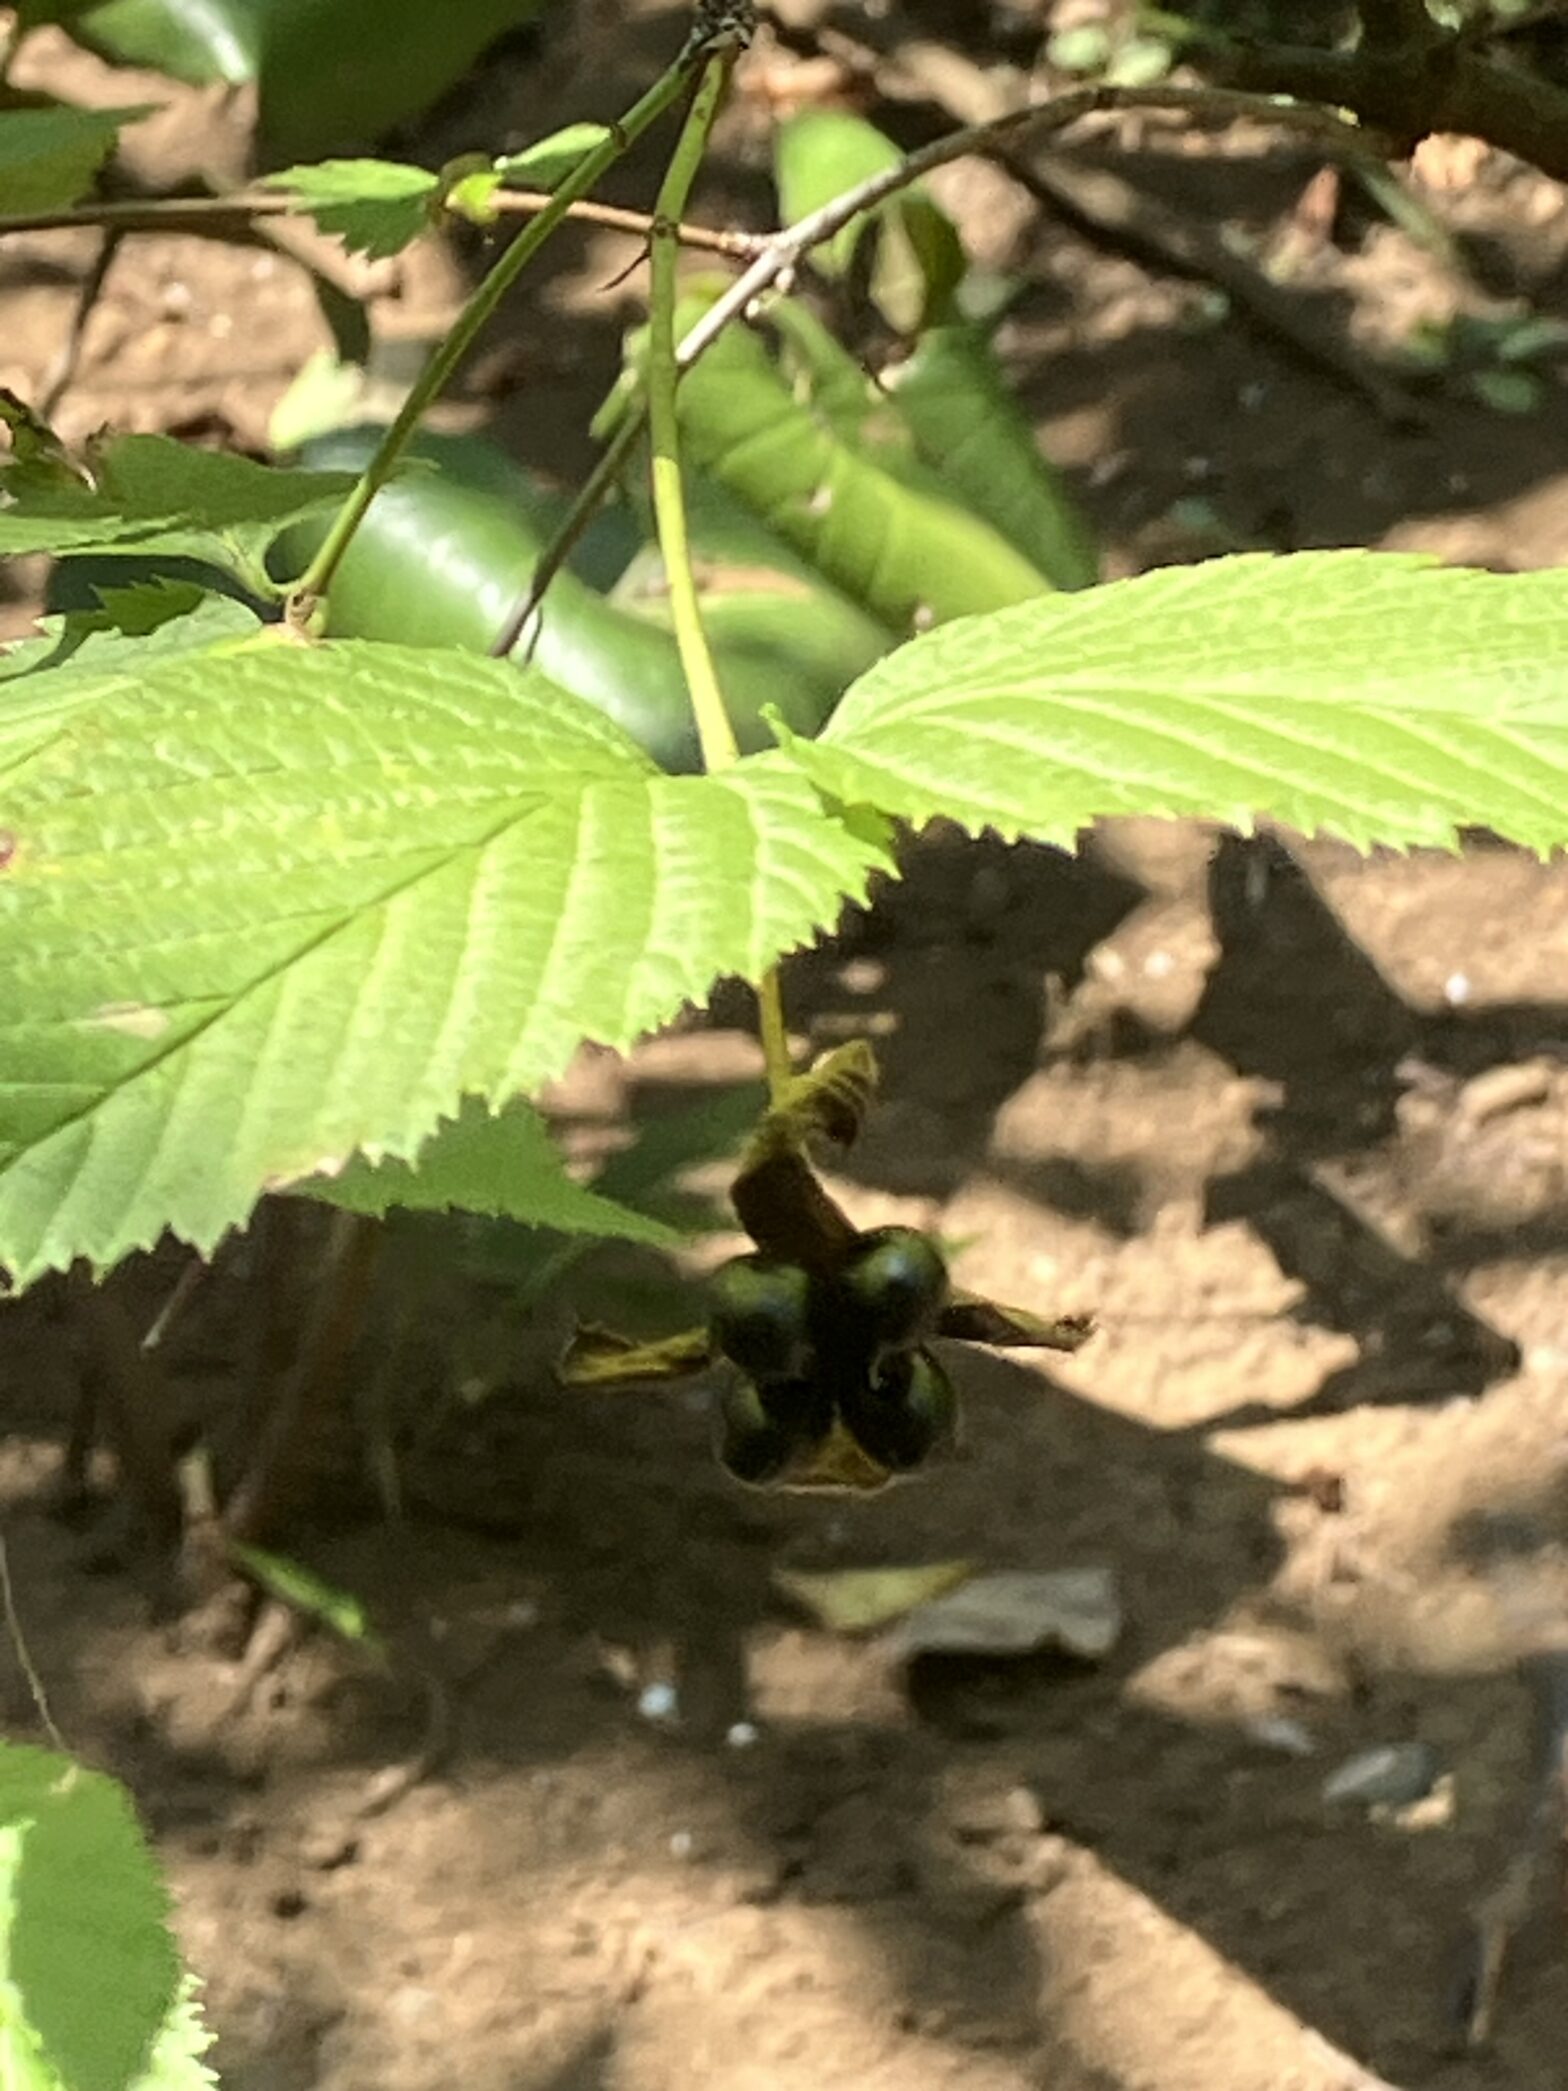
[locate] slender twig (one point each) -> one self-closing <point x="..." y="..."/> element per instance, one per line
<point x="783" y="251"/>
<point x="24" y="1655"/>
<point x="64" y="367"/>
<point x="473" y="319"/>
<point x="174" y="1306"/>
<point x="208" y="213"/>
<point x="595" y="489"/>
<point x="1537" y="1857"/>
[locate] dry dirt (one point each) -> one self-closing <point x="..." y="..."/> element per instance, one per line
<point x="1294" y="1125"/>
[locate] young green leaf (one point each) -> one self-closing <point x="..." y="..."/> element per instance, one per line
<point x="78" y="1890"/>
<point x="49" y="157"/>
<point x="549" y="160"/>
<point x="262" y="909"/>
<point x="1380" y="697"/>
<point x="376" y="207"/>
<point x="504" y="1165"/>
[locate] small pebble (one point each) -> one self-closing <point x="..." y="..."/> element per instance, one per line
<point x="743" y="1735"/>
<point x="682" y="1844"/>
<point x="1456" y="989"/>
<point x="1279" y="1732"/>
<point x="659" y="1702"/>
<point x="1391" y="1776"/>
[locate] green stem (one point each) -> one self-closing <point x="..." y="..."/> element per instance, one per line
<point x="475" y="316"/>
<point x="714" y="730"/>
<point x="775" y="1038"/>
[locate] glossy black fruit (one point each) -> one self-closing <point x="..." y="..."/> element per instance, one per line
<point x="894" y="1286"/>
<point x="761" y="1432"/>
<point x="903" y="1412"/>
<point x="760" y="1317"/>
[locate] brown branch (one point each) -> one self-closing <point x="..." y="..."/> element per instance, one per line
<point x="1102" y="207"/>
<point x="1446" y="87"/>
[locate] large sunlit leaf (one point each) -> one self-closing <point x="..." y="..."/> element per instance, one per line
<point x="1382" y="698"/>
<point x="263" y="909"/>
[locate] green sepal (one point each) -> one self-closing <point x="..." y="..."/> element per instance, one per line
<point x="602" y="1358"/>
<point x="970" y="1319"/>
<point x="776" y="1195"/>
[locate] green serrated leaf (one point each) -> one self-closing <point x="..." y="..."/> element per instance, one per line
<point x="259" y="911"/>
<point x="49" y="157"/>
<point x="504" y="1166"/>
<point x="376" y="207"/>
<point x="156" y="495"/>
<point x="176" y="2062"/>
<point x="1380" y="697"/>
<point x="38" y="457"/>
<point x="549" y="161"/>
<point x="132" y="626"/>
<point x="78" y="1891"/>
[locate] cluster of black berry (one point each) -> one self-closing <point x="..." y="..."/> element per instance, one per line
<point x="816" y="1349"/>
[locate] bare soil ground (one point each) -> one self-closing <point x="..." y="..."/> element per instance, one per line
<point x="1293" y="1124"/>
